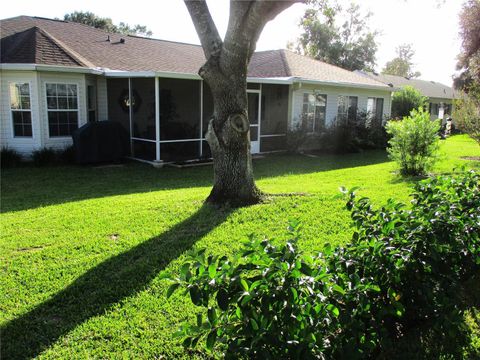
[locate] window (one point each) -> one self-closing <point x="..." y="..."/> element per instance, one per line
<point x="434" y="108"/>
<point x="375" y="109"/>
<point x="91" y="103"/>
<point x="314" y="110"/>
<point x="62" y="107"/>
<point x="347" y="109"/>
<point x="21" y="109"/>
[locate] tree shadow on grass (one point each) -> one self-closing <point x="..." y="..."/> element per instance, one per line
<point x="101" y="287"/>
<point x="30" y="187"/>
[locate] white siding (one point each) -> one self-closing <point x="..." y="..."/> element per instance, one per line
<point x="102" y="98"/>
<point x="50" y="77"/>
<point x="332" y="93"/>
<point x="23" y="145"/>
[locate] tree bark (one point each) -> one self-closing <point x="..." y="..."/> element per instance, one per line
<point x="225" y="71"/>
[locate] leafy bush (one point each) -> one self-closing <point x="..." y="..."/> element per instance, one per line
<point x="363" y="134"/>
<point x="467" y="114"/>
<point x="9" y="158"/>
<point x="401" y="273"/>
<point x="414" y="142"/>
<point x="406" y="100"/>
<point x="297" y="136"/>
<point x="66" y="156"/>
<point x="44" y="157"/>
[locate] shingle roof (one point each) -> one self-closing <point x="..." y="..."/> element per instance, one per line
<point x="90" y="47"/>
<point x="34" y="46"/>
<point x="431" y="89"/>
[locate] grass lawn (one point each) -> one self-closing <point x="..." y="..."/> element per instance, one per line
<point x="81" y="247"/>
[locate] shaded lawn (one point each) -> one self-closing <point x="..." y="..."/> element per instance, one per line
<point x="81" y="247"/>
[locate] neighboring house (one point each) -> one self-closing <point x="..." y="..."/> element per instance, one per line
<point x="58" y="75"/>
<point x="440" y="97"/>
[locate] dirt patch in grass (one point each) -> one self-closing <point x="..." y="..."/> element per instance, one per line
<point x="473" y="158"/>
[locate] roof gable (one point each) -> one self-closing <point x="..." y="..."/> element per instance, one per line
<point x="36" y="47"/>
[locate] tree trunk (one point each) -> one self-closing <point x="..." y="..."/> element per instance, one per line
<point x="225" y="71"/>
<point x="229" y="138"/>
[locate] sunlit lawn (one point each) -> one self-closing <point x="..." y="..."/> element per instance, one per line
<point x="81" y="247"/>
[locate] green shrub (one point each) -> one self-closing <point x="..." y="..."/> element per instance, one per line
<point x="9" y="158"/>
<point x="406" y="100"/>
<point x="467" y="114"/>
<point x="66" y="156"/>
<point x="402" y="273"/>
<point x="44" y="157"/>
<point x="362" y="134"/>
<point x="414" y="142"/>
<point x="297" y="136"/>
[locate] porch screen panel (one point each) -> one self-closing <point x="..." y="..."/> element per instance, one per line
<point x="274" y="118"/>
<point x="143" y="106"/>
<point x="117" y="90"/>
<point x="180" y="151"/>
<point x="179" y="109"/>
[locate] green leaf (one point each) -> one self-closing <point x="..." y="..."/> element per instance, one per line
<point x="254" y="324"/>
<point x="338" y="289"/>
<point x="199" y="320"/>
<point x="211" y="338"/>
<point x="212" y="270"/>
<point x="222" y="299"/>
<point x="195" y="295"/>
<point x="172" y="289"/>
<point x="212" y="316"/>
<point x="333" y="309"/>
<point x="244" y="284"/>
<point x="164" y="275"/>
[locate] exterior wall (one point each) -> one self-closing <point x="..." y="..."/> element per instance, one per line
<point x="332" y="93"/>
<point x="21" y="144"/>
<point x="441" y="114"/>
<point x="67" y="78"/>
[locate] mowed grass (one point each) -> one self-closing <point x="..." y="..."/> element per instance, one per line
<point x="81" y="248"/>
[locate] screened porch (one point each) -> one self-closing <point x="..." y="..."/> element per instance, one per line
<point x="167" y="118"/>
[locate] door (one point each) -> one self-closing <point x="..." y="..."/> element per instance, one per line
<point x="254" y="111"/>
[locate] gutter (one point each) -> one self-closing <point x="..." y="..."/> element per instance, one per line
<point x="55" y="68"/>
<point x="344" y="84"/>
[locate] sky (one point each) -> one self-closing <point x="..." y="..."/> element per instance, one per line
<point x="431" y="26"/>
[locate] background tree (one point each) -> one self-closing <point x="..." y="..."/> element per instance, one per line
<point x="467" y="107"/>
<point x="89" y="18"/>
<point x="225" y="72"/>
<point x="402" y="65"/>
<point x="351" y="45"/>
<point x="406" y="100"/>
<point x="466" y="113"/>
<point x="469" y="57"/>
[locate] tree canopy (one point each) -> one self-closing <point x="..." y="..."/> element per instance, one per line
<point x="469" y="57"/>
<point x="406" y="100"/>
<point x="89" y="18"/>
<point x="338" y="35"/>
<point x="402" y="64"/>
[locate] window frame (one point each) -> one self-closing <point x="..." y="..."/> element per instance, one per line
<point x="313" y="129"/>
<point x="347" y="102"/>
<point x="91" y="106"/>
<point x="47" y="110"/>
<point x="373" y="115"/>
<point x="20" y="110"/>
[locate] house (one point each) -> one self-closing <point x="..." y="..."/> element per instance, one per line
<point x="58" y="75"/>
<point x="440" y="97"/>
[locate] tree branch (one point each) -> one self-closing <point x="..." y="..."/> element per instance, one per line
<point x="247" y="20"/>
<point x="205" y="27"/>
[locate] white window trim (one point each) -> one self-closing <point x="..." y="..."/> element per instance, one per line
<point x="66" y="82"/>
<point x="12" y="128"/>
